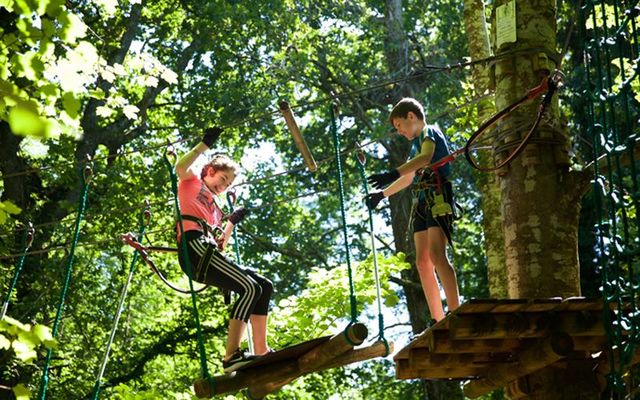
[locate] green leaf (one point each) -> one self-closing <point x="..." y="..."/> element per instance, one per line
<point x="5" y="343"/>
<point x="71" y="104"/>
<point x="48" y="27"/>
<point x="97" y="94"/>
<point x="72" y="27"/>
<point x="21" y="392"/>
<point x="44" y="334"/>
<point x="25" y="121"/>
<point x="8" y="4"/>
<point x="54" y="8"/>
<point x="50" y="90"/>
<point x="23" y="351"/>
<point x="22" y="7"/>
<point x="8" y="207"/>
<point x="42" y="6"/>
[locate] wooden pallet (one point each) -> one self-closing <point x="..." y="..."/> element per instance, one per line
<point x="494" y="342"/>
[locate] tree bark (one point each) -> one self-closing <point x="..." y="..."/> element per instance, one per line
<point x="541" y="197"/>
<point x="480" y="48"/>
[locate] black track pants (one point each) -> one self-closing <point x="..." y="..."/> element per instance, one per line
<point x="212" y="268"/>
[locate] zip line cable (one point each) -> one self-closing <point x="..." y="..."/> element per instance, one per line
<point x="424" y="71"/>
<point x="118" y="241"/>
<point x="271" y="176"/>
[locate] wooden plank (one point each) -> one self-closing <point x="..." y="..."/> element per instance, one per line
<point x="541" y="305"/>
<point x="404" y="371"/>
<point x="525" y="325"/>
<point x="424" y="360"/>
<point x="546" y="352"/>
<point x="442" y="343"/>
<point x="581" y="304"/>
<point x="285" y="369"/>
<point x="509" y="305"/>
<point x="474" y="306"/>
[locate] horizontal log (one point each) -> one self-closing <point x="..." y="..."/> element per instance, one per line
<point x="440" y="342"/>
<point x="404" y="371"/>
<point x="287" y="370"/>
<point x="378" y="349"/>
<point x="354" y="335"/>
<point x="525" y="325"/>
<point x="546" y="352"/>
<point x="423" y="359"/>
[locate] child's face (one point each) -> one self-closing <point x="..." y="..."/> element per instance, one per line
<point x="408" y="127"/>
<point x="218" y="181"/>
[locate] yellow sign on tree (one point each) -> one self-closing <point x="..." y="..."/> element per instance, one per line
<point x="506" y="23"/>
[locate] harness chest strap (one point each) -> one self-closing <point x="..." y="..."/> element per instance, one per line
<point x="214" y="231"/>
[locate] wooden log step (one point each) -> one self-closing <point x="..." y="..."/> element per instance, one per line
<point x="378" y="349"/>
<point x="546" y="352"/>
<point x="282" y="370"/>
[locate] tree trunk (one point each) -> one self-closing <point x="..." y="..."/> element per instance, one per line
<point x="480" y="48"/>
<point x="541" y="197"/>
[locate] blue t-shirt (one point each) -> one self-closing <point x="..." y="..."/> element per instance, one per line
<point x="441" y="148"/>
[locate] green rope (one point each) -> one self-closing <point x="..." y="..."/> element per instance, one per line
<point x="336" y="142"/>
<point x="183" y="248"/>
<point x="145" y="216"/>
<point x="609" y="112"/>
<point x="27" y="238"/>
<point x="86" y="178"/>
<point x="361" y="160"/>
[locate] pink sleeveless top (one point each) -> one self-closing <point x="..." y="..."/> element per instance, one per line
<point x="197" y="200"/>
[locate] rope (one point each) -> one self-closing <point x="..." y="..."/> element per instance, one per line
<point x="361" y="163"/>
<point x="145" y="217"/>
<point x="424" y="71"/>
<point x="548" y="85"/>
<point x="86" y="178"/>
<point x="336" y="141"/>
<point x="27" y="239"/>
<point x="183" y="247"/>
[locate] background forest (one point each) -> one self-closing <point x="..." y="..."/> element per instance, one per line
<point x="118" y="80"/>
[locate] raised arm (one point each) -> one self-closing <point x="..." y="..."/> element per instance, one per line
<point x="183" y="166"/>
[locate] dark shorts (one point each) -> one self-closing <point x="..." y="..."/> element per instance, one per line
<point x="423" y="218"/>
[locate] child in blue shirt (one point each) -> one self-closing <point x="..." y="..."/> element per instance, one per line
<point x="431" y="229"/>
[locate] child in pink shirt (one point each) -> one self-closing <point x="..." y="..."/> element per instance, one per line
<point x="206" y="238"/>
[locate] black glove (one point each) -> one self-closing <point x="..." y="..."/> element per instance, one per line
<point x="379" y="181"/>
<point x="238" y="215"/>
<point x="211" y="135"/>
<point x="373" y="199"/>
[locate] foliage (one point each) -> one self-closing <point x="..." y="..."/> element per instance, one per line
<point x="327" y="294"/>
<point x="19" y="346"/>
<point x="162" y="71"/>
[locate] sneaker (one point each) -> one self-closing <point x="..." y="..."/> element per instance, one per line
<point x="238" y="359"/>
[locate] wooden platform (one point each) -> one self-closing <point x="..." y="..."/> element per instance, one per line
<point x="494" y="342"/>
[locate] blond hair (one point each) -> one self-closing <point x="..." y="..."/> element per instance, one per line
<point x="220" y="162"/>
